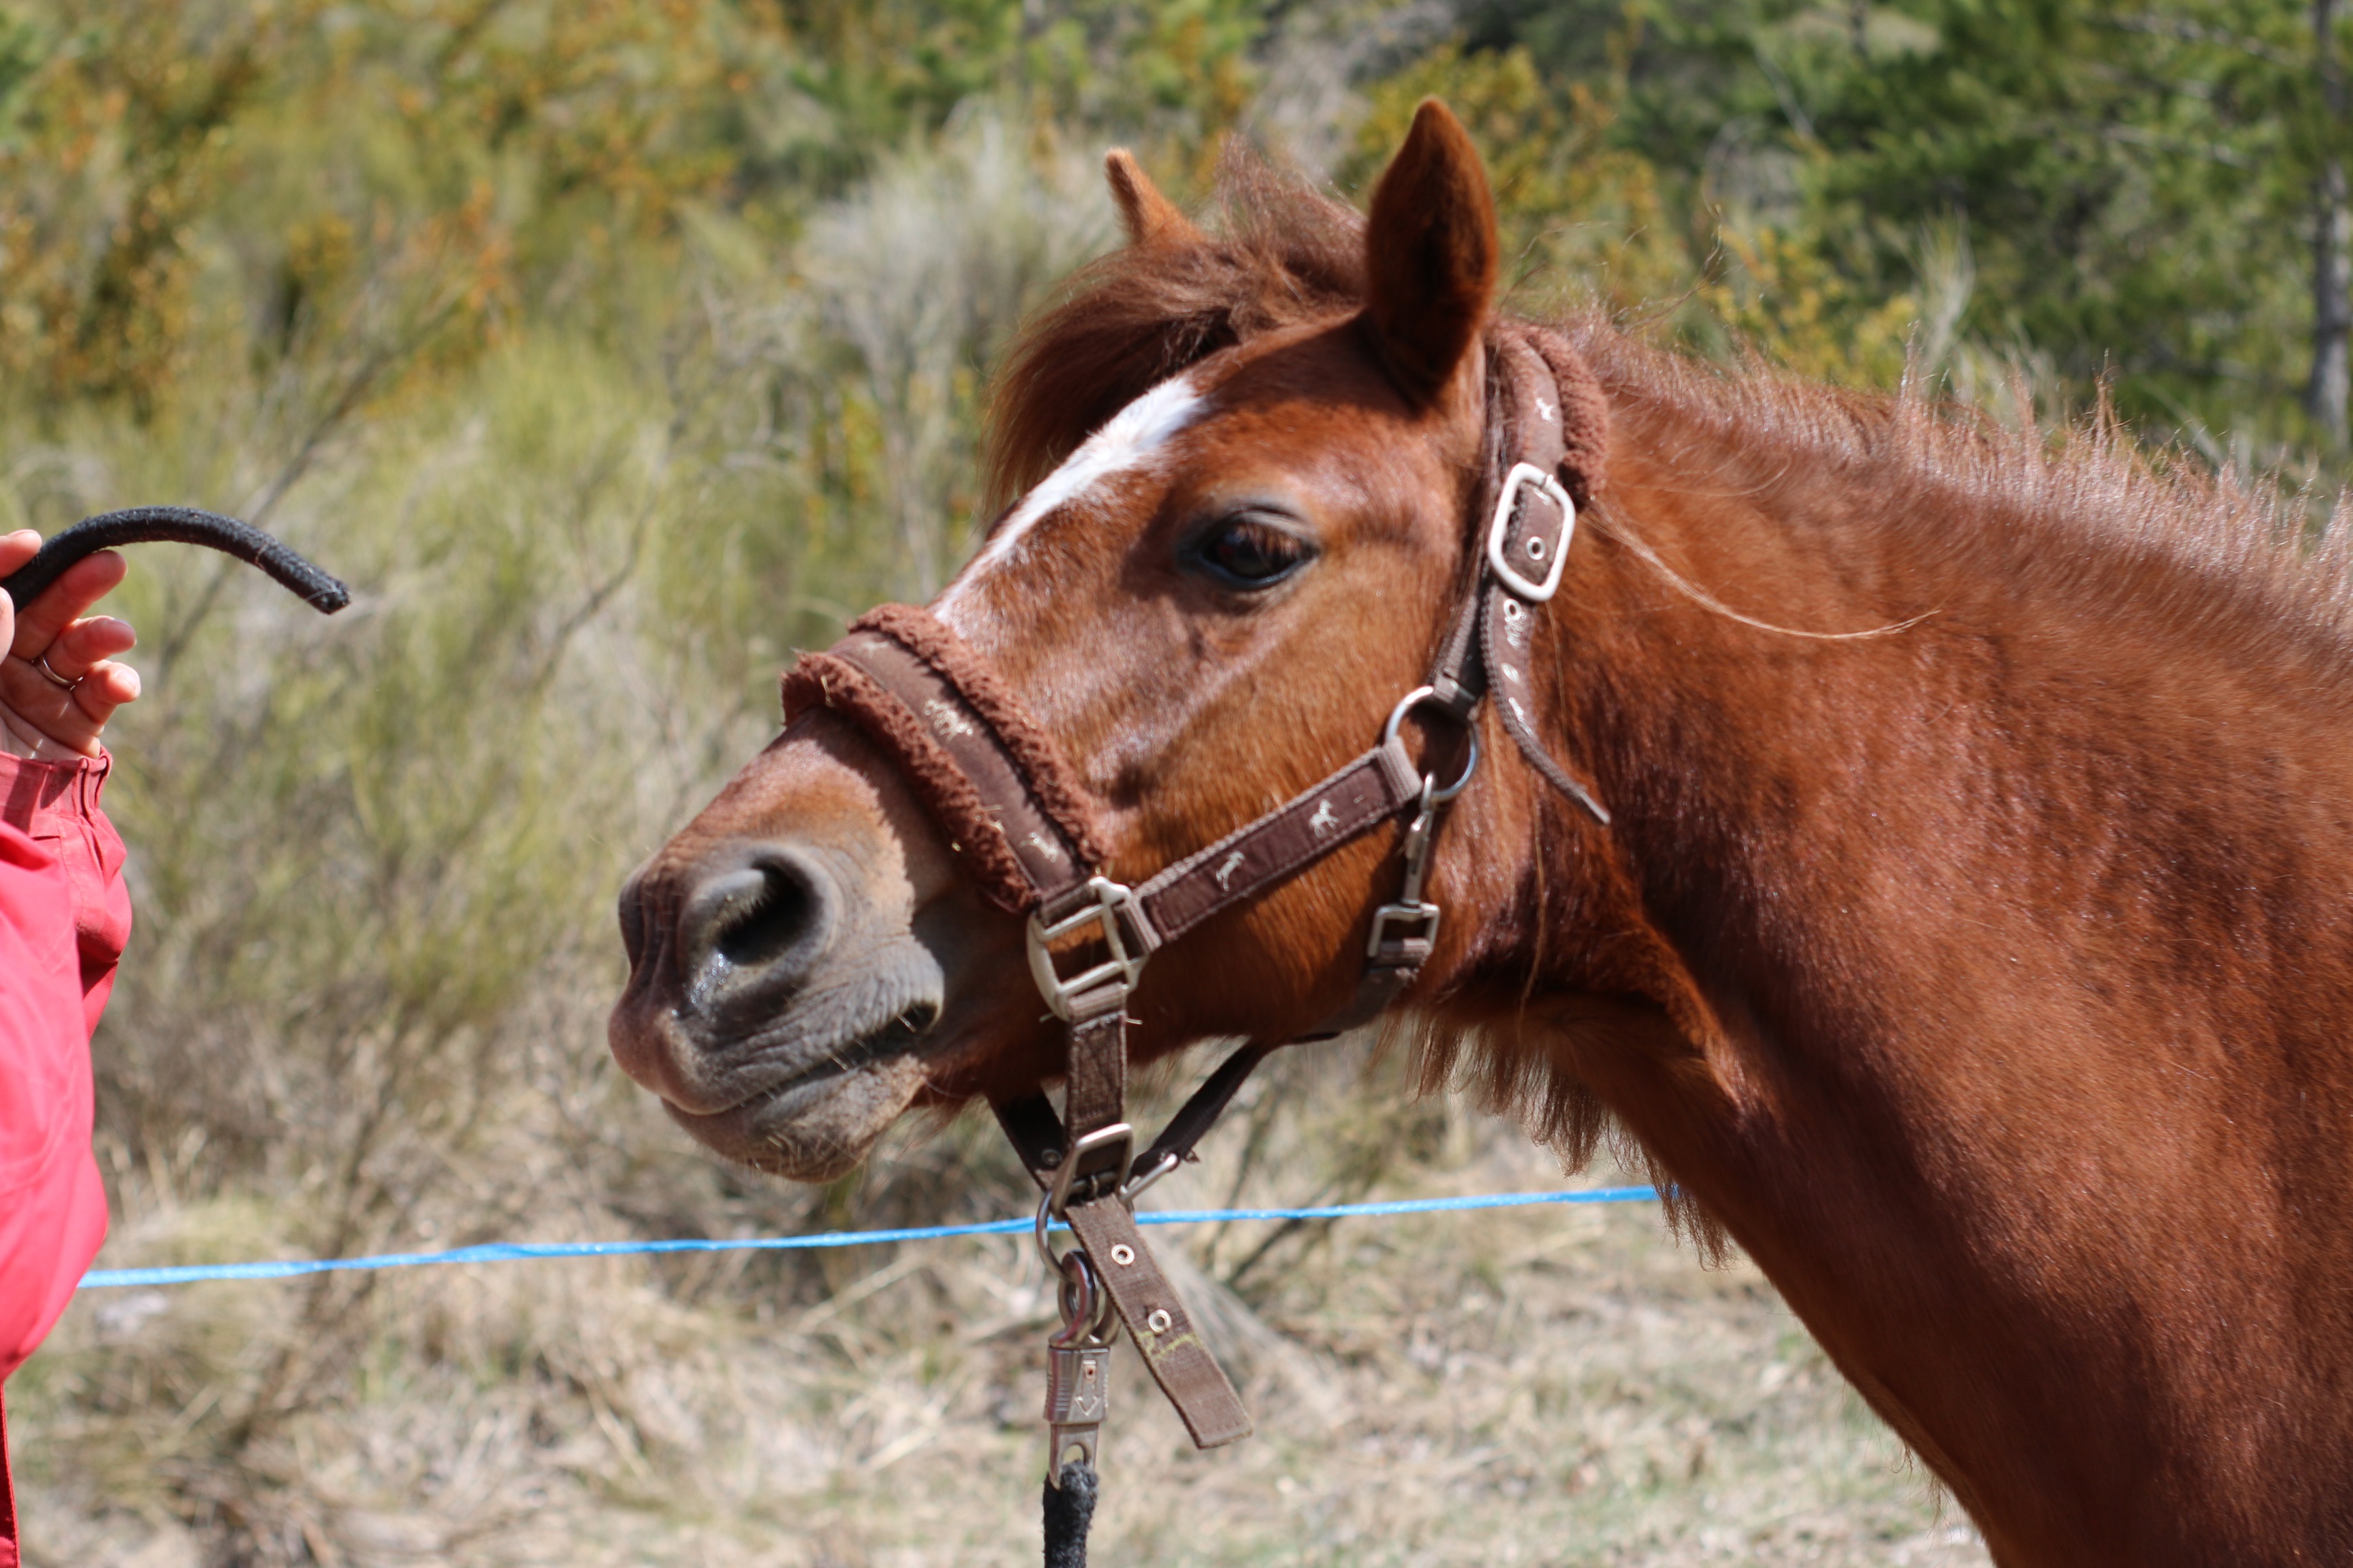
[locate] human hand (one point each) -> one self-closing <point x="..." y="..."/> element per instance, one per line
<point x="58" y="680"/>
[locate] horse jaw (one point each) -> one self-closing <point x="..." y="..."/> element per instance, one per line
<point x="811" y="1138"/>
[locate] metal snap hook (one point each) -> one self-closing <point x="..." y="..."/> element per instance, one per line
<point x="1078" y="1369"/>
<point x="1086" y="1304"/>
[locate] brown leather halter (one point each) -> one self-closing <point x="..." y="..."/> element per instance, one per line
<point x="1015" y="817"/>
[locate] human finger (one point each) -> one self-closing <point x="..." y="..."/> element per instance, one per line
<point x="84" y="582"/>
<point x="15" y="549"/>
<point x="84" y="643"/>
<point x="67" y="716"/>
<point x="40" y="707"/>
<point x="107" y="687"/>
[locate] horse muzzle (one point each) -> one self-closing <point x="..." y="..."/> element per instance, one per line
<point x="779" y="999"/>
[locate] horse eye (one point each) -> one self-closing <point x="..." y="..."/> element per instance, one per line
<point x="1251" y="554"/>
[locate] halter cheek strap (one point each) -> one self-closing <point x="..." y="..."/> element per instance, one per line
<point x="1024" y="830"/>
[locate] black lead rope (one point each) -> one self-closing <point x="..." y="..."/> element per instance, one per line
<point x="1070" y="1509"/>
<point x="178" y="525"/>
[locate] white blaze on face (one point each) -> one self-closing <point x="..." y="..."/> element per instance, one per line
<point x="1126" y="442"/>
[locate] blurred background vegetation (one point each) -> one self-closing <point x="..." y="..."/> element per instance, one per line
<point x="615" y="348"/>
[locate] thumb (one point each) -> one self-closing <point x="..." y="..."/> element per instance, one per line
<point x="15" y="549"/>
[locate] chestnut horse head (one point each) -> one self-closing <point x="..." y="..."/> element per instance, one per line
<point x="1966" y="939"/>
<point x="1242" y="468"/>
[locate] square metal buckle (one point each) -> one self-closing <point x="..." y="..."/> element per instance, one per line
<point x="1522" y="585"/>
<point x="1119" y="1135"/>
<point x="1111" y="908"/>
<point x="1422" y="915"/>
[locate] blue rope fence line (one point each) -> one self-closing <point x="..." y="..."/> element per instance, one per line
<point x="528" y="1251"/>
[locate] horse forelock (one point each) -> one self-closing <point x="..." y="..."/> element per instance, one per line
<point x="1284" y="254"/>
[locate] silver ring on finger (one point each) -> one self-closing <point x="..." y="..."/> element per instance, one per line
<point x="52" y="676"/>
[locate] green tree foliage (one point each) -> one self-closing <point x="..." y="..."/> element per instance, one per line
<point x="2133" y="179"/>
<point x="2136" y="184"/>
<point x="179" y="177"/>
<point x="2132" y="183"/>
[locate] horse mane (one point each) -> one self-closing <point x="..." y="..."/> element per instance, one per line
<point x="2086" y="511"/>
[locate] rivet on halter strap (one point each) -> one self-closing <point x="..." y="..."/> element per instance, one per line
<point x="1010" y="808"/>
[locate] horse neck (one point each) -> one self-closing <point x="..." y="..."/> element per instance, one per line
<point x="2007" y="1008"/>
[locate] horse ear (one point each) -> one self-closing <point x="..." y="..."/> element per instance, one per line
<point x="1431" y="253"/>
<point x="1150" y="218"/>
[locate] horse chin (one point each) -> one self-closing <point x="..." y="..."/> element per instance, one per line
<point x="813" y="1131"/>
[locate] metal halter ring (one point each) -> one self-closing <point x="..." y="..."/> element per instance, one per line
<point x="1086" y="1305"/>
<point x="1045" y="1220"/>
<point x="41" y="664"/>
<point x="1405" y="705"/>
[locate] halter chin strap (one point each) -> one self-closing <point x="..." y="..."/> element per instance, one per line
<point x="1024" y="831"/>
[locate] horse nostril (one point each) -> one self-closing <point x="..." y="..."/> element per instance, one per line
<point x="766" y="922"/>
<point x="779" y="913"/>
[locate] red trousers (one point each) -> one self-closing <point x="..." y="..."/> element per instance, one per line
<point x="64" y="917"/>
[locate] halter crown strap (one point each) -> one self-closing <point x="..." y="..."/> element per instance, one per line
<point x="1525" y="545"/>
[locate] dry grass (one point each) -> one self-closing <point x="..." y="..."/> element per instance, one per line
<point x="1544" y="1386"/>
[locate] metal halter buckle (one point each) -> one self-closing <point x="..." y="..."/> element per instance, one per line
<point x="1111" y="908"/>
<point x="1118" y="1135"/>
<point x="1521" y="584"/>
<point x="1423" y="915"/>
